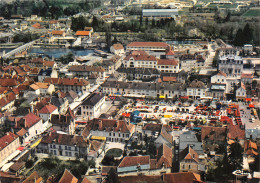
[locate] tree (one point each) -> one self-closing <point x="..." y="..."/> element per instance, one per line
<point x="141" y="21"/>
<point x="215" y="59"/>
<point x="247" y="34"/>
<point x="112" y="176"/>
<point x="146" y="22"/>
<point x="235" y="157"/>
<point x="108" y="37"/>
<point x="238" y="41"/>
<point x="95" y="23"/>
<point x="153" y="23"/>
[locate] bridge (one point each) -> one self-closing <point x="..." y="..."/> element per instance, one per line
<point x="20" y="49"/>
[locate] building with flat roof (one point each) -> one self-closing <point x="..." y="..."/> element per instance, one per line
<point x="160" y="12"/>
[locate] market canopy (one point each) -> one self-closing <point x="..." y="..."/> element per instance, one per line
<point x="251" y="105"/>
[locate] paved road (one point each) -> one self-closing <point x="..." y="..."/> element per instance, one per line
<point x="210" y="58"/>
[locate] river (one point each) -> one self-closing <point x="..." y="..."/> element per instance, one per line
<point x="55" y="52"/>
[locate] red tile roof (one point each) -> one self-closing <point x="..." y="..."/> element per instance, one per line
<point x="169" y="78"/>
<point x="220" y="73"/>
<point x="84" y="68"/>
<point x="166" y="135"/>
<point x="141" y="179"/>
<point x="170" y="52"/>
<point x="85" y="180"/>
<point x="67" y="177"/>
<point x="213" y="133"/>
<point x="34" y="177"/>
<point x="67" y="81"/>
<point x="64" y="139"/>
<point x="134" y="161"/>
<point x="48" y="63"/>
<point x="48" y="109"/>
<point x="57" y="32"/>
<point x="167" y="62"/>
<point x="118" y="46"/>
<point x="182" y="177"/>
<point x="152" y="127"/>
<point x="249" y="76"/>
<point x="140" y="57"/>
<point x="21" y="132"/>
<point x="31" y="119"/>
<point x="164" y="156"/>
<point x="37" y="26"/>
<point x="7" y="139"/>
<point x="109" y="125"/>
<point x="8" y="82"/>
<point x="147" y="44"/>
<point x="82" y="33"/>
<point x="234" y="131"/>
<point x="189" y="154"/>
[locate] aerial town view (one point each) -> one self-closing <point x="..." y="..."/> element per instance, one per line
<point x="129" y="91"/>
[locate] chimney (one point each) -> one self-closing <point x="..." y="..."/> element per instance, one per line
<point x="100" y="124"/>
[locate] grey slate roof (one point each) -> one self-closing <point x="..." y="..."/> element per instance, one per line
<point x="144" y="71"/>
<point x="146" y="86"/>
<point x="93" y="99"/>
<point x="190" y="138"/>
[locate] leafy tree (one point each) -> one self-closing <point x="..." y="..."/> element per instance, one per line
<point x="29" y="164"/>
<point x="112" y="176"/>
<point x="215" y="59"/>
<point x="238" y="41"/>
<point x="247" y="34"/>
<point x="108" y="37"/>
<point x="141" y="21"/>
<point x="153" y="22"/>
<point x="236" y="156"/>
<point x="79" y="23"/>
<point x="146" y="22"/>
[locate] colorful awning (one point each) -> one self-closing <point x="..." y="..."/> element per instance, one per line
<point x="21" y="148"/>
<point x="98" y="138"/>
<point x="251" y="105"/>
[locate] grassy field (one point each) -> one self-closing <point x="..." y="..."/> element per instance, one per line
<point x="114" y="152"/>
<point x="252" y="13"/>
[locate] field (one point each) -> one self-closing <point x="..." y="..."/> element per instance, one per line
<point x="252" y="13"/>
<point x="114" y="152"/>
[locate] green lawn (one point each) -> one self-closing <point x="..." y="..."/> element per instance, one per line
<point x="252" y="13"/>
<point x="114" y="152"/>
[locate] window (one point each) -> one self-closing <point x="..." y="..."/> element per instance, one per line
<point x="50" y="146"/>
<point x="114" y="134"/>
<point x="109" y="134"/>
<point x="119" y="135"/>
<point x="76" y="148"/>
<point x="69" y="148"/>
<point x="65" y="147"/>
<point x="54" y="152"/>
<point x="54" y="146"/>
<point x="189" y="166"/>
<point x="183" y="166"/>
<point x="69" y="153"/>
<point x="66" y="153"/>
